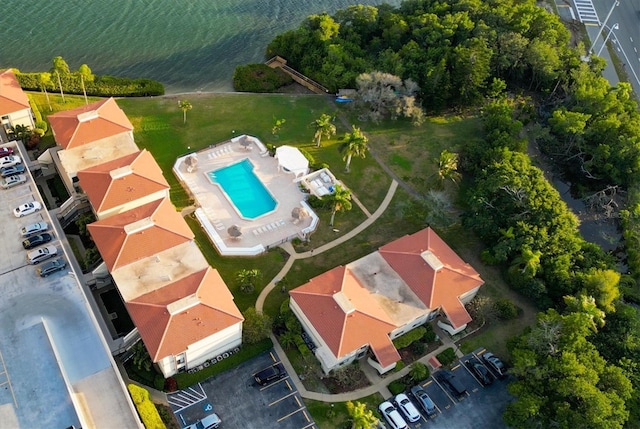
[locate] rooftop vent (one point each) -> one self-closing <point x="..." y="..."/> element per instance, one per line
<point x="88" y="116"/>
<point x="183" y="304"/>
<point x="344" y="302"/>
<point x="139" y="225"/>
<point x="121" y="172"/>
<point x="432" y="260"/>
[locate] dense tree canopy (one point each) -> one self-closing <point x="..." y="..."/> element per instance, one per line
<point x="562" y="380"/>
<point x="451" y="50"/>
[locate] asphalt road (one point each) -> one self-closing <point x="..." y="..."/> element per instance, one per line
<point x="627" y="37"/>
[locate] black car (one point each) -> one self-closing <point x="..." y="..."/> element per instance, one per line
<point x="480" y="371"/>
<point x="269" y="374"/>
<point x="36" y="240"/>
<point x="12" y="171"/>
<point x="450" y="381"/>
<point x="494" y="363"/>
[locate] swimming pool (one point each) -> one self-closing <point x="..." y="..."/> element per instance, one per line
<point x="243" y="189"/>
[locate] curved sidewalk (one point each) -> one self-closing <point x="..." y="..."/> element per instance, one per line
<point x="295" y="256"/>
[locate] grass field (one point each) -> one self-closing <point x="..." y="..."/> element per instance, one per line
<point x="411" y="152"/>
<point x="334" y="416"/>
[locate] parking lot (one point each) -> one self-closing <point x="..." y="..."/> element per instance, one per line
<point x="241" y="403"/>
<point x="481" y="406"/>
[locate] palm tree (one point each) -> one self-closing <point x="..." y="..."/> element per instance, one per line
<point x="529" y="260"/>
<point x="288" y="340"/>
<point x="60" y="66"/>
<point x="324" y="127"/>
<point x="448" y="166"/>
<point x="247" y="279"/>
<point x="355" y="144"/>
<point x="185" y="106"/>
<point x="340" y="200"/>
<point x="44" y="79"/>
<point x="361" y="417"/>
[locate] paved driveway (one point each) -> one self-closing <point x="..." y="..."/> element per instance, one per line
<point x="241" y="403"/>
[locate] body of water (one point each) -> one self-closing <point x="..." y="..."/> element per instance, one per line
<point x="189" y="45"/>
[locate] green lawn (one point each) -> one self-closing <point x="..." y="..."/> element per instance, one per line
<point x="334" y="416"/>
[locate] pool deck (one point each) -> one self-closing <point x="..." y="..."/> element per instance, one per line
<point x="216" y="213"/>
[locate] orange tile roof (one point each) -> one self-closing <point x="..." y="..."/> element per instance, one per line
<point x="346" y="316"/>
<point x="122" y="180"/>
<point x="184" y="312"/>
<point x="12" y="97"/>
<point x="435" y="273"/>
<point x="139" y="233"/>
<point x="86" y="124"/>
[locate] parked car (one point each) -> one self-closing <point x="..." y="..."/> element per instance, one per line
<point x="6" y="151"/>
<point x="407" y="407"/>
<point x="51" y="267"/>
<point x="36" y="240"/>
<point x="454" y="385"/>
<point x="27" y="209"/>
<point x="41" y="254"/>
<point x="9" y="161"/>
<point x="34" y="228"/>
<point x="12" y="181"/>
<point x="10" y="171"/>
<point x="480" y="371"/>
<point x="269" y="374"/>
<point x="392" y="416"/>
<point x="424" y="400"/>
<point x="210" y="422"/>
<point x="494" y="363"/>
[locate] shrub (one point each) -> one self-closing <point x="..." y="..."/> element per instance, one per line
<point x="418" y="347"/>
<point x="396" y="386"/>
<point x="101" y="86"/>
<point x="430" y="335"/>
<point x="259" y="78"/>
<point x="399" y="365"/>
<point x="447" y="356"/>
<point x="170" y="384"/>
<point x="167" y="416"/>
<point x="158" y="382"/>
<point x="505" y="309"/>
<point x="407" y="339"/>
<point x="146" y="409"/>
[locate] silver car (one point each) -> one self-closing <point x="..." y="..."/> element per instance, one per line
<point x="41" y="254"/>
<point x="34" y="228"/>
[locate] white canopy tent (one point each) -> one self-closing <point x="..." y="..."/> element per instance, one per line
<point x="290" y="159"/>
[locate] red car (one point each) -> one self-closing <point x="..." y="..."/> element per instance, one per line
<point x="6" y="151"/>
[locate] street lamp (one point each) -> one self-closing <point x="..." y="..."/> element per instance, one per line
<point x="617" y="3"/>
<point x="614" y="27"/>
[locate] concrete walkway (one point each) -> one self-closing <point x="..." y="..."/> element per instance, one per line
<point x="295" y="256"/>
<point x="379" y="385"/>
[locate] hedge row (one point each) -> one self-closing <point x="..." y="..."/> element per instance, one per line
<point x="407" y="339"/>
<point x="259" y="78"/>
<point x="247" y="351"/>
<point x="101" y="86"/>
<point x="146" y="409"/>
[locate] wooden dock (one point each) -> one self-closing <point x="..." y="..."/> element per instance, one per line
<point x="278" y="62"/>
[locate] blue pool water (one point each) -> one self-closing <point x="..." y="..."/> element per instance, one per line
<point x="244" y="189"/>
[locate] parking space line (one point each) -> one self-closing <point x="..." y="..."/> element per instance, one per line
<point x="284" y="397"/>
<point x="309" y="425"/>
<point x="472" y="375"/>
<point x="445" y="392"/>
<point x="185" y="399"/>
<point x="273" y="357"/>
<point x="4" y="371"/>
<point x="274" y="383"/>
<point x="290" y="414"/>
<point x="288" y="385"/>
<point x="306" y="416"/>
